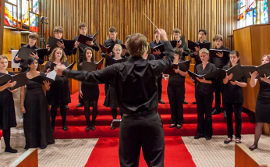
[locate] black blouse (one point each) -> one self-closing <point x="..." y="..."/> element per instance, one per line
<point x="233" y="93"/>
<point x="205" y="88"/>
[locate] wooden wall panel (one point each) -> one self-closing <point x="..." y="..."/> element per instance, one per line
<point x="216" y="16"/>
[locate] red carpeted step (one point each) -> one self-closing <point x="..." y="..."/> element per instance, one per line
<point x="105" y="131"/>
<point x="105" y="120"/>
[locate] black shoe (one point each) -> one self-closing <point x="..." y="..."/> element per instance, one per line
<point x="185" y="102"/>
<point x="172" y="125"/>
<point x="208" y="138"/>
<point x="227" y="141"/>
<point x="225" y="115"/>
<point x="179" y="126"/>
<point x="65" y="128"/>
<point x="93" y="127"/>
<point x="194" y="102"/>
<point x="79" y="105"/>
<point x="216" y="111"/>
<point x="67" y="107"/>
<point x="87" y="128"/>
<point x="237" y="141"/>
<point x="161" y="102"/>
<point x="198" y="136"/>
<point x="10" y="150"/>
<point x="253" y="147"/>
<point x="112" y="127"/>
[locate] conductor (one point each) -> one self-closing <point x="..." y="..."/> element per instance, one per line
<point x="135" y="82"/>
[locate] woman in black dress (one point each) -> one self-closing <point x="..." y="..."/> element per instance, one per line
<point x="233" y="99"/>
<point x="7" y="110"/>
<point x="36" y="117"/>
<point x="263" y="102"/>
<point x="59" y="94"/>
<point x="204" y="96"/>
<point x="176" y="92"/>
<point x="110" y="100"/>
<point x="89" y="92"/>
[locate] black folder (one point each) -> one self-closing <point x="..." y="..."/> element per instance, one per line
<point x="174" y="43"/>
<point x="124" y="46"/>
<point x="69" y="44"/>
<point x="170" y="70"/>
<point x="53" y="42"/>
<point x="209" y="76"/>
<point x="20" y="79"/>
<point x="24" y="53"/>
<point x="183" y="66"/>
<point x="235" y="70"/>
<point x="106" y="49"/>
<point x="40" y="79"/>
<point x="83" y="39"/>
<point x="89" y="66"/>
<point x="41" y="53"/>
<point x="52" y="66"/>
<point x="192" y="45"/>
<point x="99" y="64"/>
<point x="158" y="47"/>
<point x="110" y="61"/>
<point x="225" y="58"/>
<point x="262" y="69"/>
<point x="71" y="65"/>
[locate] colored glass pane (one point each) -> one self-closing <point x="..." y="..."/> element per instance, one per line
<point x="33" y="22"/>
<point x="8" y="16"/>
<point x="12" y="1"/>
<point x="25" y="14"/>
<point x="36" y="6"/>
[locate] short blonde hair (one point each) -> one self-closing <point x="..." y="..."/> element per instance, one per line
<point x="268" y="56"/>
<point x="204" y="50"/>
<point x="119" y="46"/>
<point x="52" y="55"/>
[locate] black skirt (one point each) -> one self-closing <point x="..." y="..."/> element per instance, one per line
<point x="90" y="91"/>
<point x="111" y="100"/>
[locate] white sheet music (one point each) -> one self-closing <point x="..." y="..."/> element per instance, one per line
<point x="13" y="54"/>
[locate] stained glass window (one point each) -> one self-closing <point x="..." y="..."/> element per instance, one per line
<point x="252" y="12"/>
<point x="22" y="14"/>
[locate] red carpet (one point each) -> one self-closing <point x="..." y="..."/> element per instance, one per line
<point x="76" y="121"/>
<point x="105" y="153"/>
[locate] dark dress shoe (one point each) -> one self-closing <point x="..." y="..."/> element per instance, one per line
<point x="253" y="147"/>
<point x="185" y="102"/>
<point x="194" y="102"/>
<point x="112" y="127"/>
<point x="10" y="150"/>
<point x="172" y="125"/>
<point x="65" y="128"/>
<point x="198" y="136"/>
<point x="79" y="105"/>
<point x="87" y="128"/>
<point x="67" y="107"/>
<point x="208" y="138"/>
<point x="93" y="127"/>
<point x="179" y="126"/>
<point x="216" y="111"/>
<point x="161" y="102"/>
<point x="227" y="141"/>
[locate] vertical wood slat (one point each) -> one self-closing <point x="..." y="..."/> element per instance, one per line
<point x="216" y="16"/>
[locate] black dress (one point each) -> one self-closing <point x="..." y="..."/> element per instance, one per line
<point x="59" y="91"/>
<point x="263" y="103"/>
<point x="36" y="119"/>
<point x="90" y="91"/>
<point x="7" y="110"/>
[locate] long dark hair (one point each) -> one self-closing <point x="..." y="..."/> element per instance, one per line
<point x="30" y="61"/>
<point x="237" y="55"/>
<point x="84" y="54"/>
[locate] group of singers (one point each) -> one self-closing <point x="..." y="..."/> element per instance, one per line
<point x="39" y="129"/>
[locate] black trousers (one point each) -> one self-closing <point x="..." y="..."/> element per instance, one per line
<point x="237" y="109"/>
<point x="159" y="80"/>
<point x="176" y="98"/>
<point x="142" y="131"/>
<point x="218" y="90"/>
<point x="204" y="107"/>
<point x="78" y="64"/>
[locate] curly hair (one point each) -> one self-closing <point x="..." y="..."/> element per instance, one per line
<point x="52" y="55"/>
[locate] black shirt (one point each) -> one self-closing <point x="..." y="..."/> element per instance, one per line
<point x="135" y="80"/>
<point x="150" y="57"/>
<point x="197" y="57"/>
<point x="110" y="42"/>
<point x="220" y="62"/>
<point x="23" y="63"/>
<point x="185" y="49"/>
<point x="233" y="93"/>
<point x="95" y="47"/>
<point x="153" y="44"/>
<point x="68" y="51"/>
<point x="176" y="81"/>
<point x="205" y="88"/>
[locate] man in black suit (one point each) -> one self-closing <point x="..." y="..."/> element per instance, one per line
<point x="135" y="82"/>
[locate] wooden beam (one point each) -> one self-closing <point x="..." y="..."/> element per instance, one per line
<point x="2" y="9"/>
<point x="27" y="159"/>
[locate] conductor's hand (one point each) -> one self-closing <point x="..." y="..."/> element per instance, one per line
<point x="254" y="74"/>
<point x="59" y="69"/>
<point x="163" y="34"/>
